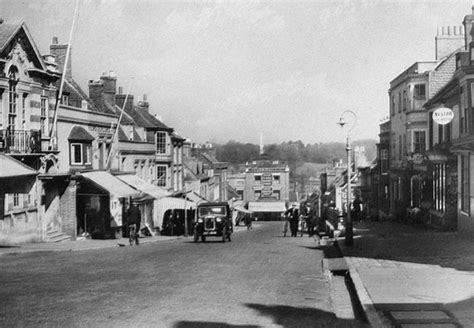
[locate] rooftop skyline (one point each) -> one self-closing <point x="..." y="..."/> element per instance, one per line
<point x="222" y="70"/>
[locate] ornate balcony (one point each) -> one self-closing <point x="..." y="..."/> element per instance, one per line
<point x="20" y="141"/>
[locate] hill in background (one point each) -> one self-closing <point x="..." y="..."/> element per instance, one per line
<point x="296" y="154"/>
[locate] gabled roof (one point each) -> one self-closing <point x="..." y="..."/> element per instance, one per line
<point x="143" y="118"/>
<point x="7" y="32"/>
<point x="7" y="35"/>
<point x="177" y="137"/>
<point x="122" y="136"/>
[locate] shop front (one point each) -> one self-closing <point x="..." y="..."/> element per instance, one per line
<point x="148" y="204"/>
<point x="102" y="200"/>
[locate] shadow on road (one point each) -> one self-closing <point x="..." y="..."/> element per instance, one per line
<point x="297" y="317"/>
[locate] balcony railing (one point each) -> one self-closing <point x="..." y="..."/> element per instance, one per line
<point x="20" y="141"/>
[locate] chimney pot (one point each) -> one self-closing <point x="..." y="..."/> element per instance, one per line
<point x="144" y="97"/>
<point x="55" y="40"/>
<point x="120" y="90"/>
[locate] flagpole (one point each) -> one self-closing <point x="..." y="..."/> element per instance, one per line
<point x="53" y="130"/>
<point x="118" y="124"/>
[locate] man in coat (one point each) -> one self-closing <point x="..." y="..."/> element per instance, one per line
<point x="293" y="216"/>
<point x="134" y="216"/>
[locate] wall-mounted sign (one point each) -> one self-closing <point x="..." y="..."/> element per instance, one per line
<point x="443" y="116"/>
<point x="267" y="179"/>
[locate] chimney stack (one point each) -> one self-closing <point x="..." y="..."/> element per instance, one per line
<point x="447" y="40"/>
<point x="468" y="29"/>
<point x="59" y="52"/>
<point x="110" y="87"/>
<point x="144" y="103"/>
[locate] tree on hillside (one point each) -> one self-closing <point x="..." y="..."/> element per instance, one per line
<point x="294" y="153"/>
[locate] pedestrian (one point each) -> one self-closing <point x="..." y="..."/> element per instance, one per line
<point x="357" y="209"/>
<point x="293" y="217"/>
<point x="134" y="216"/>
<point x="311" y="219"/>
<point x="248" y="221"/>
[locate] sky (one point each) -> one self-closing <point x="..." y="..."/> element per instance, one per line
<point x="238" y="70"/>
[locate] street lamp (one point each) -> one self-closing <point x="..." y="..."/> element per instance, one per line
<point x="349" y="228"/>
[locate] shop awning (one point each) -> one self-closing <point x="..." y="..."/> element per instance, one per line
<point x="13" y="168"/>
<point x="170" y="203"/>
<point x="195" y="197"/>
<point x="113" y="185"/>
<point x="175" y="203"/>
<point x="241" y="209"/>
<point x="267" y="206"/>
<point x="15" y="177"/>
<point x="142" y="185"/>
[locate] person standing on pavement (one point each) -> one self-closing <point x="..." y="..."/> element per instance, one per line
<point x="134" y="216"/>
<point x="312" y="219"/>
<point x="293" y="217"/>
<point x="357" y="209"/>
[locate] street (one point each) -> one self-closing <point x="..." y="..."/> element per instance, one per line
<point x="260" y="279"/>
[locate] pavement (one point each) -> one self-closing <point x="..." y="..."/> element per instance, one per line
<point x="410" y="276"/>
<point x="86" y="244"/>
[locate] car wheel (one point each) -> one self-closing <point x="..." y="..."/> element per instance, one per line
<point x="203" y="238"/>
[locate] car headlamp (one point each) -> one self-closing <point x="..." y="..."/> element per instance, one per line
<point x="200" y="220"/>
<point x="218" y="219"/>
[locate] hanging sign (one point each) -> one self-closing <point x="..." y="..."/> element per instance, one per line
<point x="443" y="116"/>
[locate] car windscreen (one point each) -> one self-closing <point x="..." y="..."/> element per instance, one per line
<point x="214" y="210"/>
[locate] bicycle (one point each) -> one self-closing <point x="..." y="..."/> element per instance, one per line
<point x="302" y="225"/>
<point x="132" y="234"/>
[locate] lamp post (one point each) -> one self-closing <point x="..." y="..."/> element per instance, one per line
<point x="349" y="241"/>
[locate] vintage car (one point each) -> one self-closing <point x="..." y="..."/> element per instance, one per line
<point x="213" y="219"/>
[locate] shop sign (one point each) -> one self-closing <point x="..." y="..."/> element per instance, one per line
<point x="443" y="116"/>
<point x="267" y="179"/>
